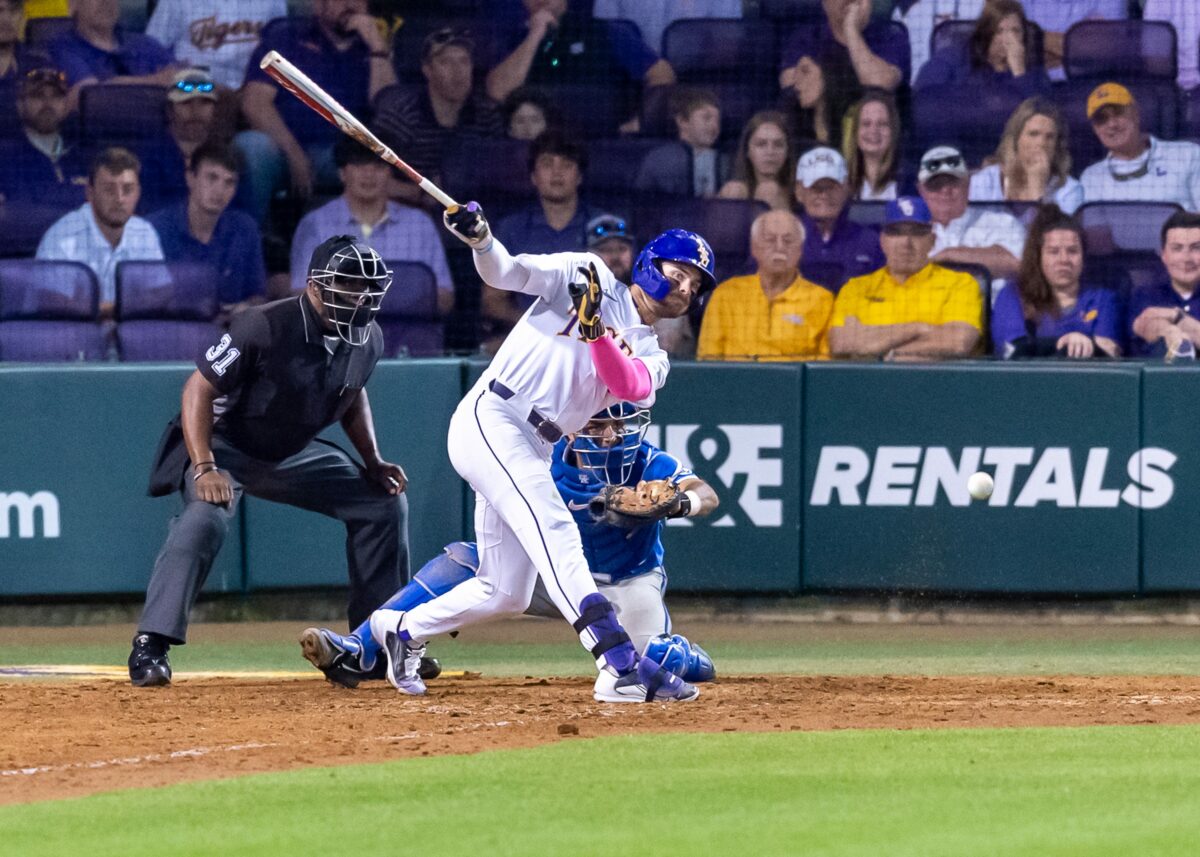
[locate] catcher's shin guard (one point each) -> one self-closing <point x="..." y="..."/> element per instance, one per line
<point x="613" y="648"/>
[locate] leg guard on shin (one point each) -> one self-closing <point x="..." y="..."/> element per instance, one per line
<point x="681" y="657"/>
<point x="613" y="647"/>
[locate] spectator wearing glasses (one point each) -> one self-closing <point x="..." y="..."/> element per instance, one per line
<point x="191" y="121"/>
<point x="1048" y="311"/>
<point x="341" y="49"/>
<point x="1032" y="162"/>
<point x="41" y="167"/>
<point x="871" y="147"/>
<point x="993" y="239"/>
<point x="835" y="248"/>
<point x="203" y="229"/>
<point x="996" y="58"/>
<point x="910" y="309"/>
<point x="104" y="231"/>
<point x="1165" y="317"/>
<point x="762" y="167"/>
<point x="423" y="123"/>
<point x="869" y="53"/>
<point x="1138" y="166"/>
<point x="98" y="50"/>
<point x="398" y="233"/>
<point x="528" y="113"/>
<point x="691" y="167"/>
<point x="774" y="313"/>
<point x="218" y="35"/>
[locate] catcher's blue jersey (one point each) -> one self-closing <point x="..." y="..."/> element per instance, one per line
<point x="614" y="553"/>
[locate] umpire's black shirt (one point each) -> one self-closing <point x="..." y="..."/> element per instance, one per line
<point x="283" y="377"/>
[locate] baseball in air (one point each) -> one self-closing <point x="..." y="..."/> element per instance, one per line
<point x="980" y="485"/>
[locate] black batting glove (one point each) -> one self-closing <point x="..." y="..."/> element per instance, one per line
<point x="586" y="297"/>
<point x="468" y="224"/>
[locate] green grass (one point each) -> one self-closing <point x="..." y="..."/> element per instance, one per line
<point x="902" y="655"/>
<point x="1095" y="791"/>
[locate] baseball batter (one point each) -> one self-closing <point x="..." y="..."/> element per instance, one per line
<point x="584" y="345"/>
<point x="624" y="553"/>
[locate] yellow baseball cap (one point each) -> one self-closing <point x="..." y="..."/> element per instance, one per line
<point x="1106" y="94"/>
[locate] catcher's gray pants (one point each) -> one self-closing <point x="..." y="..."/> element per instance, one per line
<point x="321" y="478"/>
<point x="638" y="601"/>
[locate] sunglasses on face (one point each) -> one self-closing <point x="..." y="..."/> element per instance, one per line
<point x="935" y="164"/>
<point x="615" y="228"/>
<point x="46" y="75"/>
<point x="194" y="86"/>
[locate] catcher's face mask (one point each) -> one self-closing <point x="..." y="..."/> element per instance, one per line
<point x="607" y="446"/>
<point x="352" y="285"/>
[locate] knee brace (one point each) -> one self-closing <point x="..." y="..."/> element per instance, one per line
<point x="676" y="654"/>
<point x="613" y="647"/>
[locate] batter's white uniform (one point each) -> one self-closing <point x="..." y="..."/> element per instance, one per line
<point x="522" y="525"/>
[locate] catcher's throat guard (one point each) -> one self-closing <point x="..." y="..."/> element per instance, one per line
<point x="352" y="279"/>
<point x="607" y="447"/>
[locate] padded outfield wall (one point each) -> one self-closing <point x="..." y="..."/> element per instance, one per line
<point x="831" y="476"/>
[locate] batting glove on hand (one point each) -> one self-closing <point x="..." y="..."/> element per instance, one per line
<point x="468" y="224"/>
<point x="586" y="297"/>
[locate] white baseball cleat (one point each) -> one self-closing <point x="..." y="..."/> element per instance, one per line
<point x="403" y="657"/>
<point x="648" y="683"/>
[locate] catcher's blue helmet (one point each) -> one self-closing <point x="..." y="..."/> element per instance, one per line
<point x="607" y="447"/>
<point x="674" y="245"/>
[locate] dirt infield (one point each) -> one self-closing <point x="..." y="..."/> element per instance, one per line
<point x="67" y="739"/>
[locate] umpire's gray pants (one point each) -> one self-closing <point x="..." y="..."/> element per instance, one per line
<point x="321" y="478"/>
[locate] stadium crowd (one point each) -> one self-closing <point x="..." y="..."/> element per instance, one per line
<point x="879" y="179"/>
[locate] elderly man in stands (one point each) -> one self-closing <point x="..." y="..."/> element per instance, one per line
<point x="773" y="314"/>
<point x="1165" y="317"/>
<point x="835" y="248"/>
<point x="911" y="309"/>
<point x="993" y="239"/>
<point x="104" y="231"/>
<point x="40" y="166"/>
<point x="1138" y="166"/>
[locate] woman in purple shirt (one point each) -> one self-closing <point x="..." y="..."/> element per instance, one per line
<point x="997" y="57"/>
<point x="1048" y="312"/>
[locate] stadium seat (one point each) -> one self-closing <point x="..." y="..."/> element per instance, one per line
<point x="1115" y="50"/>
<point x="984" y="278"/>
<point x="22" y="226"/>
<point x="165" y="311"/>
<point x="1158" y="104"/>
<point x="408" y="316"/>
<point x="120" y="113"/>
<point x="790" y="11"/>
<point x="612" y="168"/>
<point x="974" y="125"/>
<point x="49" y="312"/>
<point x="708" y="50"/>
<point x="724" y="223"/>
<point x="495" y="172"/>
<point x="409" y="40"/>
<point x="955" y="35"/>
<point x="593" y="110"/>
<point x="1190" y="119"/>
<point x="40" y="32"/>
<point x="1123" y="227"/>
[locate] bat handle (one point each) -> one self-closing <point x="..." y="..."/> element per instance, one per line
<point x="437" y="193"/>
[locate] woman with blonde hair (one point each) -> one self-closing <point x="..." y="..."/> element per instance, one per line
<point x="870" y="145"/>
<point x="1032" y="162"/>
<point x="764" y="167"/>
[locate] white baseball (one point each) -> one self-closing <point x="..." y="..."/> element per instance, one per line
<point x="980" y="485"/>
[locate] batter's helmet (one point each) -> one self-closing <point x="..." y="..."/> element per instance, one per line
<point x="353" y="280"/>
<point x="674" y="245"/>
<point x="607" y="446"/>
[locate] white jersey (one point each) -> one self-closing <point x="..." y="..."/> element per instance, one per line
<point x="1168" y="171"/>
<point x="217" y="34"/>
<point x="544" y="359"/>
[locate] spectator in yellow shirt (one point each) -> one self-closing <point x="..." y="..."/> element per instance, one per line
<point x="774" y="314"/>
<point x="910" y="309"/>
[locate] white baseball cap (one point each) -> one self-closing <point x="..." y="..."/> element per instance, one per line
<point x="821" y="163"/>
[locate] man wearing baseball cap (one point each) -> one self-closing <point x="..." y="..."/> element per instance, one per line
<point x="993" y="239"/>
<point x="1138" y="166"/>
<point x="608" y="236"/>
<point x="910" y="309"/>
<point x="835" y="248"/>
<point x="191" y="115"/>
<point x="40" y="166"/>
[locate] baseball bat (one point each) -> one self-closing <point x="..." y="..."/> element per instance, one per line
<point x="299" y="84"/>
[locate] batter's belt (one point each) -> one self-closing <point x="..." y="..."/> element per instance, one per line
<point x="546" y="429"/>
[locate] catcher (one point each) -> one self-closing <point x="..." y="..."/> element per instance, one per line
<point x="620" y="489"/>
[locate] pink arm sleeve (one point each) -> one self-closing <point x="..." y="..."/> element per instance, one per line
<point x="626" y="377"/>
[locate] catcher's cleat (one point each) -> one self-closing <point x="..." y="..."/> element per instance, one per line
<point x="148" y="664"/>
<point x="648" y="683"/>
<point x="403" y="656"/>
<point x="429" y="669"/>
<point x="335" y="655"/>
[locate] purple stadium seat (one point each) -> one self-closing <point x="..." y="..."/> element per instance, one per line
<point x="974" y="125"/>
<point x="592" y="110"/>
<point x="40" y="32"/>
<point x="22" y="226"/>
<point x="409" y="317"/>
<point x="719" y="49"/>
<point x="955" y="35"/>
<point x="612" y="168"/>
<point x="48" y="312"/>
<point x="495" y="172"/>
<point x="122" y="112"/>
<point x="1120" y="49"/>
<point x="724" y="223"/>
<point x="1123" y="227"/>
<point x="165" y="311"/>
<point x="1158" y="104"/>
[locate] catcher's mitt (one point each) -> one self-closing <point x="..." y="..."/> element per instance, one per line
<point x="622" y="506"/>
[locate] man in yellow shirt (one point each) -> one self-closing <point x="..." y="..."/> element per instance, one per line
<point x="910" y="309"/>
<point x="774" y="314"/>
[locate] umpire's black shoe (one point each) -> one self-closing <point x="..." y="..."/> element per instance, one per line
<point x="148" y="664"/>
